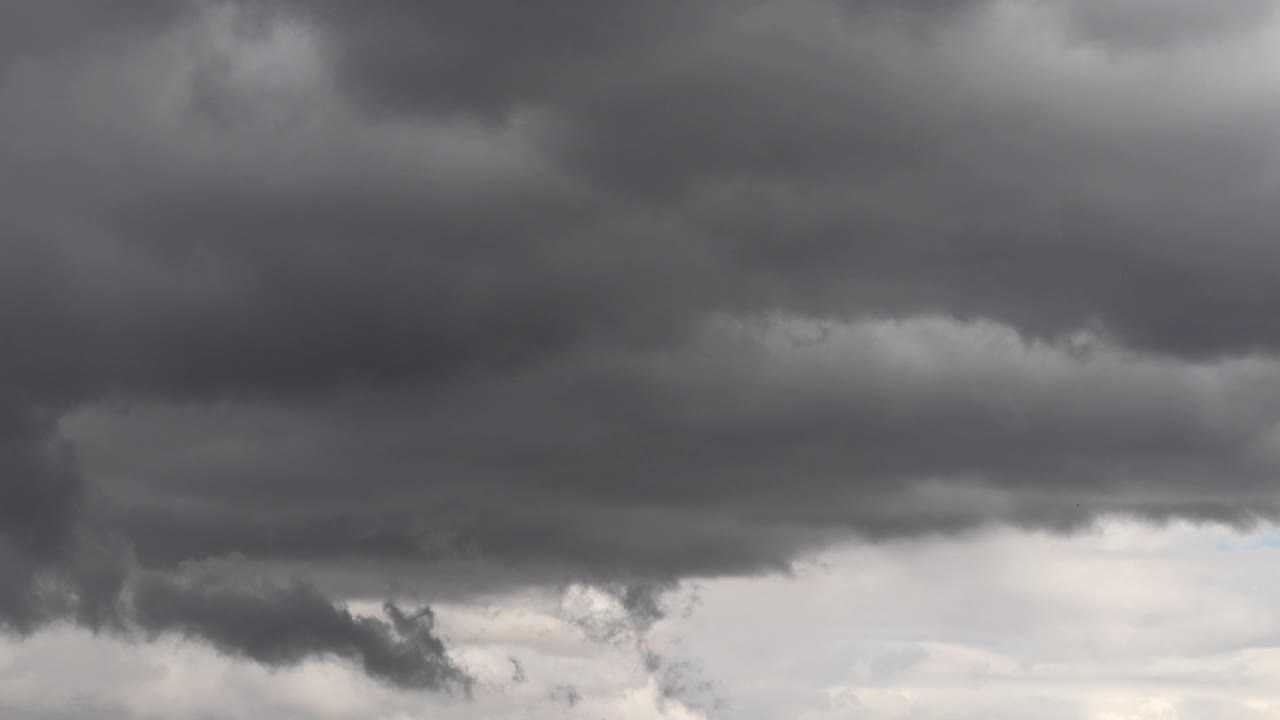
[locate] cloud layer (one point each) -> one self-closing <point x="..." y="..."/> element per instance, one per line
<point x="457" y="298"/>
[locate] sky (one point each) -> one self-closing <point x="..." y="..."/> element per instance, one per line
<point x="720" y="359"/>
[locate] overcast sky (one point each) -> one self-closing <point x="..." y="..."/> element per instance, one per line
<point x="639" y="359"/>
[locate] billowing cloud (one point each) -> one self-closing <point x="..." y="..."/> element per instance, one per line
<point x="418" y="295"/>
<point x="286" y="626"/>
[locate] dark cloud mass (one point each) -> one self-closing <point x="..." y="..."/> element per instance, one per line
<point x="280" y="626"/>
<point x="439" y="298"/>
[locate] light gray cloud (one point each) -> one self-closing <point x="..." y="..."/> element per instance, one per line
<point x="1128" y="621"/>
<point x="1144" y="25"/>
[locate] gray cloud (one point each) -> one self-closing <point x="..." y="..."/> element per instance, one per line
<point x="33" y="29"/>
<point x="279" y="626"/>
<point x="1142" y="25"/>
<point x="38" y="501"/>
<point x="567" y="695"/>
<point x="619" y="294"/>
<point x="489" y="57"/>
<point x="273" y="625"/>
<point x="886" y="428"/>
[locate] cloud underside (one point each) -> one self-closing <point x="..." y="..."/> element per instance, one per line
<point x="464" y="296"/>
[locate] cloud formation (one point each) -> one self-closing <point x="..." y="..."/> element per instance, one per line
<point x="457" y="297"/>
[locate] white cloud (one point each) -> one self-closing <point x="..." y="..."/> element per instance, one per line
<point x="1129" y="622"/>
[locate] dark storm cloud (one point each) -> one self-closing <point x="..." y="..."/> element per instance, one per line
<point x="487" y="57"/>
<point x="273" y="625"/>
<point x="37" y="504"/>
<point x="616" y="292"/>
<point x="283" y="626"/>
<point x="31" y="28"/>
<point x="931" y="173"/>
<point x="39" y="496"/>
<point x="731" y="455"/>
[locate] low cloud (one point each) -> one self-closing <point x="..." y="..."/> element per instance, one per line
<point x="406" y="296"/>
